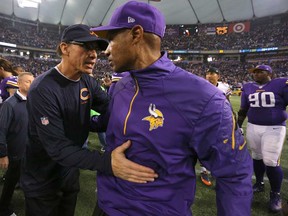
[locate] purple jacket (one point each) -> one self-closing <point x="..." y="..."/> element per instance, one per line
<point x="5" y="84"/>
<point x="115" y="78"/>
<point x="172" y="117"/>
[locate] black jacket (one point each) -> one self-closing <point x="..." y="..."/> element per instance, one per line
<point x="59" y="117"/>
<point x="13" y="127"/>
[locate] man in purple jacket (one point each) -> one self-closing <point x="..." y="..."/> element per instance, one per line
<point x="264" y="101"/>
<point x="172" y="118"/>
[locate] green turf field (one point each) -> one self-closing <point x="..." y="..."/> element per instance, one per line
<point x="205" y="197"/>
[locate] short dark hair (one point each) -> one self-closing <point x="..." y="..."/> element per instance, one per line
<point x="213" y="70"/>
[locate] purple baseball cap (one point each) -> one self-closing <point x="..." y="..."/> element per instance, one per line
<point x="82" y="33"/>
<point x="261" y="67"/>
<point x="134" y="13"/>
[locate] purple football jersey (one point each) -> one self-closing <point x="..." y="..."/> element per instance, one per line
<point x="266" y="104"/>
<point x="6" y="83"/>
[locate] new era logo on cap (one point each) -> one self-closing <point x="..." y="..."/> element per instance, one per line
<point x="131" y="20"/>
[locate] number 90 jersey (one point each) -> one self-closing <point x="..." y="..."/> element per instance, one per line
<point x="266" y="104"/>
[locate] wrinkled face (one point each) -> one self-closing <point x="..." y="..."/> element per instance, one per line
<point x="261" y="76"/>
<point x="81" y="56"/>
<point x="121" y="52"/>
<point x="24" y="83"/>
<point x="212" y="77"/>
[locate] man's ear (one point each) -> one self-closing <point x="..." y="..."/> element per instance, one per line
<point x="64" y="48"/>
<point x="137" y="32"/>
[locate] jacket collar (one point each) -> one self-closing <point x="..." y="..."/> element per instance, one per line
<point x="159" y="69"/>
<point x="20" y="96"/>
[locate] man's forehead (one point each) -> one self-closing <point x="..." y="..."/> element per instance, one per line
<point x="113" y="33"/>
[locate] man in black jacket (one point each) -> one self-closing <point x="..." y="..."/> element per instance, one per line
<point x="59" y="105"/>
<point x="13" y="139"/>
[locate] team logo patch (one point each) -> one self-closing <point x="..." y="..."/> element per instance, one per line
<point x="44" y="120"/>
<point x="84" y="95"/>
<point x="156" y="118"/>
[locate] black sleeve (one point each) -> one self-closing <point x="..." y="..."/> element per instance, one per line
<point x="6" y="115"/>
<point x="100" y="98"/>
<point x="242" y="113"/>
<point x="46" y="115"/>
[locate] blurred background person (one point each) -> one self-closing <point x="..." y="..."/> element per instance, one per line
<point x="13" y="139"/>
<point x="18" y="69"/>
<point x="8" y="76"/>
<point x="213" y="76"/>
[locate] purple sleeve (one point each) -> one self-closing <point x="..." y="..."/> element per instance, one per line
<point x="11" y="82"/>
<point x="285" y="93"/>
<point x="223" y="151"/>
<point x="111" y="88"/>
<point x="7" y="83"/>
<point x="244" y="99"/>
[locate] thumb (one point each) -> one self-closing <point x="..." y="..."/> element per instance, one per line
<point x="125" y="146"/>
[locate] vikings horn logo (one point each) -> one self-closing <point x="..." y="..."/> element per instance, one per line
<point x="156" y="118"/>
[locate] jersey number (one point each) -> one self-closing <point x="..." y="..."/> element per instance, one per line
<point x="262" y="99"/>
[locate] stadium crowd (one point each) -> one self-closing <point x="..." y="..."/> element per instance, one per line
<point x="264" y="32"/>
<point x="233" y="72"/>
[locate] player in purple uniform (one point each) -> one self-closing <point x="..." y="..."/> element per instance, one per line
<point x="264" y="101"/>
<point x="172" y="118"/>
<point x="8" y="85"/>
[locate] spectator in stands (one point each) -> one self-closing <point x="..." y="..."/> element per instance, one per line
<point x="172" y="118"/>
<point x="13" y="139"/>
<point x="59" y="104"/>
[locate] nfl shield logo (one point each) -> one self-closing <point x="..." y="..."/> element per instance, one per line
<point x="44" y="120"/>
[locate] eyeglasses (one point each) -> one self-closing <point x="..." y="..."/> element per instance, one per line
<point x="86" y="46"/>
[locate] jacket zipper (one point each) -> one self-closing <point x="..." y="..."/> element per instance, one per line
<point x="130" y="107"/>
